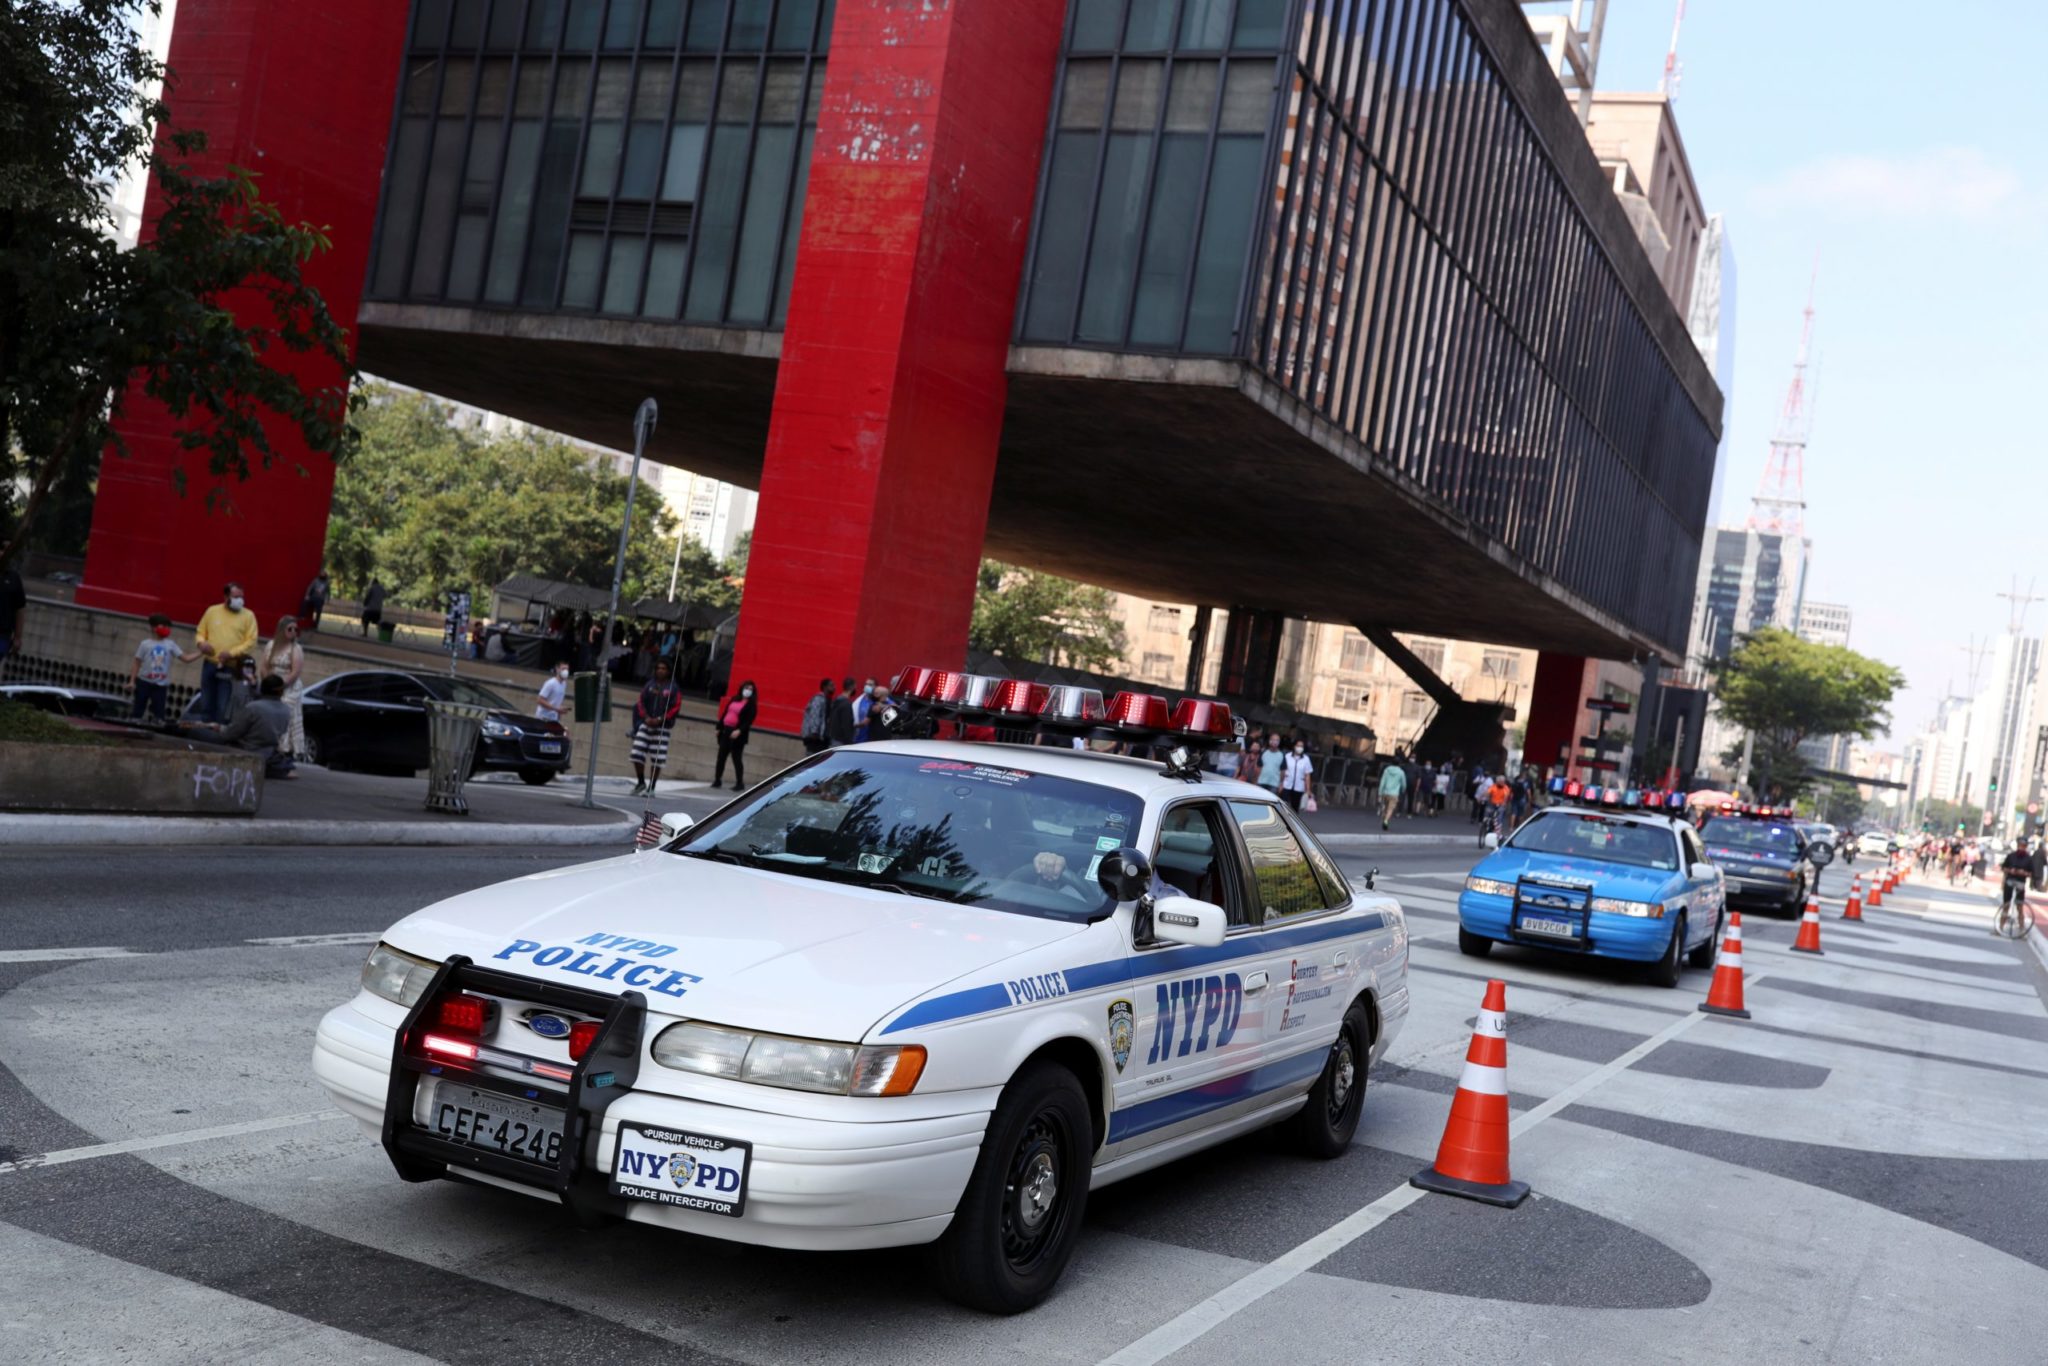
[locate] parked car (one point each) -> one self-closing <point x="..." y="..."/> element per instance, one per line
<point x="377" y="719"/>
<point x="101" y="706"/>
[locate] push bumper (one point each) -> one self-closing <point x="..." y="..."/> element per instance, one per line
<point x="814" y="1184"/>
<point x="1641" y="939"/>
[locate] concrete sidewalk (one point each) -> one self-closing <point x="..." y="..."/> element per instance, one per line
<point x="320" y="807"/>
<point x="1358" y="827"/>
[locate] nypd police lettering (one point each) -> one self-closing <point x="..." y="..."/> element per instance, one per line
<point x="690" y="1171"/>
<point x="1043" y="987"/>
<point x="611" y="958"/>
<point x="1219" y="1001"/>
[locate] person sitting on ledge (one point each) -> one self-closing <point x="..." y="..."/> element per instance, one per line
<point x="260" y="726"/>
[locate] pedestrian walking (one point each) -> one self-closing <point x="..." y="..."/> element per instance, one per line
<point x="1248" y="758"/>
<point x="226" y="635"/>
<point x="816" y="713"/>
<point x="313" y="602"/>
<point x="654" y="715"/>
<point x="1442" y="792"/>
<point x="839" y="717"/>
<point x="2038" y="862"/>
<point x="1393" y="782"/>
<point x="553" y="697"/>
<point x="13" y="611"/>
<point x="1271" y="764"/>
<point x="373" y="605"/>
<point x="150" y="677"/>
<point x="286" y="659"/>
<point x="1518" y="800"/>
<point x="1480" y="785"/>
<point x="1297" y="770"/>
<point x="862" y="707"/>
<point x="735" y="724"/>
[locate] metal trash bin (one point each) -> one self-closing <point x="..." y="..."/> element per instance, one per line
<point x="452" y="731"/>
<point x="592" y="694"/>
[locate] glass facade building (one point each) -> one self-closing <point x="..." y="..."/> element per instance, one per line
<point x="640" y="158"/>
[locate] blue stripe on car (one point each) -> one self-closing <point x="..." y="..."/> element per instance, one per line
<point x="958" y="1005"/>
<point x="1157" y="1114"/>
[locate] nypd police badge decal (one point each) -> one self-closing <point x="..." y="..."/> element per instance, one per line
<point x="1121" y="1028"/>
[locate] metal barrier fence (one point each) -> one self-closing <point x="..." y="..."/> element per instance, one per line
<point x="25" y="668"/>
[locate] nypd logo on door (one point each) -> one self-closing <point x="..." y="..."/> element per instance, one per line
<point x="688" y="1171"/>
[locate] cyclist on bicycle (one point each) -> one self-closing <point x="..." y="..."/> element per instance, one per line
<point x="2017" y="866"/>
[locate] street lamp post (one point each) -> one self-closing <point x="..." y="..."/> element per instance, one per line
<point x="643" y="427"/>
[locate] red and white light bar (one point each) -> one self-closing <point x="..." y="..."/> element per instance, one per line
<point x="1065" y="708"/>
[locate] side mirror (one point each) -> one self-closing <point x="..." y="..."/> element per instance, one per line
<point x="1126" y="875"/>
<point x="674" y="823"/>
<point x="1820" y="853"/>
<point x="1184" y="920"/>
<point x="1702" y="872"/>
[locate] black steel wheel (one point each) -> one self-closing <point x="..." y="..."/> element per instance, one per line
<point x="1017" y="1221"/>
<point x="1323" y="1127"/>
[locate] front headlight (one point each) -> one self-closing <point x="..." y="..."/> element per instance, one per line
<point x="1647" y="910"/>
<point x="1487" y="886"/>
<point x="397" y="977"/>
<point x="836" y="1069"/>
<point x="495" y="729"/>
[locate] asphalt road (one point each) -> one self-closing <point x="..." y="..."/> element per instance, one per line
<point x="1858" y="1174"/>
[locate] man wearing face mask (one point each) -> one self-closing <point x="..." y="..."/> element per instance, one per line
<point x="227" y="631"/>
<point x="554" y="694"/>
<point x="1296" y="770"/>
<point x="735" y="724"/>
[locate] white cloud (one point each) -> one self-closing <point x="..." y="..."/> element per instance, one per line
<point x="1942" y="182"/>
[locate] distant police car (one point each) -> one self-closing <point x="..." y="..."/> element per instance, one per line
<point x="1606" y="872"/>
<point x="1768" y="859"/>
<point x="916" y="990"/>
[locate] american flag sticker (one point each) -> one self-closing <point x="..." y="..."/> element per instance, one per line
<point x="650" y="832"/>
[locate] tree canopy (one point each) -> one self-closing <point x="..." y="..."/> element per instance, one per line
<point x="1025" y="614"/>
<point x="430" y="503"/>
<point x="1783" y="690"/>
<point x="84" y="325"/>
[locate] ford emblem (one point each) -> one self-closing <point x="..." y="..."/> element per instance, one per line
<point x="546" y="1025"/>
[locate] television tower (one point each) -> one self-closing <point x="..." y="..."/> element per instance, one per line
<point x="1779" y="506"/>
<point x="1668" y="87"/>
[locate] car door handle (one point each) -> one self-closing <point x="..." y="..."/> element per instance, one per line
<point x="1255" y="982"/>
<point x="1342" y="960"/>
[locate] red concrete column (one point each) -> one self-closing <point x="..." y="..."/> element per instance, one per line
<point x="889" y="400"/>
<point x="1556" y="701"/>
<point x="302" y="96"/>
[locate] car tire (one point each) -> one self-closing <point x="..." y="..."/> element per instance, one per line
<point x="1473" y="945"/>
<point x="1323" y="1127"/>
<point x="1671" y="966"/>
<point x="1703" y="956"/>
<point x="316" y="753"/>
<point x="1009" y="1240"/>
<point x="536" y="777"/>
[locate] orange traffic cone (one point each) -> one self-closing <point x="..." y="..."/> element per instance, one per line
<point x="1724" y="997"/>
<point x="1854" y="910"/>
<point x="1472" y="1160"/>
<point x="1876" y="893"/>
<point x="1809" y="929"/>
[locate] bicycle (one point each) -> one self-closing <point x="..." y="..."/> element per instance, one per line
<point x="1493" y="821"/>
<point x="2015" y="917"/>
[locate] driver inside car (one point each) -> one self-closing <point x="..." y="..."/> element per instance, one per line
<point x="1048" y="871"/>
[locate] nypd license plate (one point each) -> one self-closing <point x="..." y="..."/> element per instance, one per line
<point x="1548" y="925"/>
<point x="683" y="1169"/>
<point x="496" y="1123"/>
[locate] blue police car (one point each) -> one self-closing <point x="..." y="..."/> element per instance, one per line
<point x="1612" y="873"/>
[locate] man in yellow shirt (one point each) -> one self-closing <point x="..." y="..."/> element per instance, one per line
<point x="227" y="631"/>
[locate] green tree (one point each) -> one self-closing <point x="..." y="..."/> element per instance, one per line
<point x="1025" y="614"/>
<point x="1784" y="690"/>
<point x="429" y="504"/>
<point x="1943" y="817"/>
<point x="84" y="325"/>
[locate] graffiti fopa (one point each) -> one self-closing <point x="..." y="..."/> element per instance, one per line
<point x="236" y="785"/>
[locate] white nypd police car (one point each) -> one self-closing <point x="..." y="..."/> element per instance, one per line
<point x="908" y="992"/>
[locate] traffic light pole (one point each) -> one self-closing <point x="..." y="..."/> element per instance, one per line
<point x="643" y="427"/>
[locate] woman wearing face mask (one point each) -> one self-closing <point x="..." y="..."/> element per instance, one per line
<point x="1297" y="769"/>
<point x="735" y="723"/>
<point x="554" y="694"/>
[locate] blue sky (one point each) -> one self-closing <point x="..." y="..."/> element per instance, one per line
<point x="1903" y="142"/>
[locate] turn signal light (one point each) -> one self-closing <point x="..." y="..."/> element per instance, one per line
<point x="463" y="1014"/>
<point x="582" y="1034"/>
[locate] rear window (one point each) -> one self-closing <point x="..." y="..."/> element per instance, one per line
<point x="1585" y="835"/>
<point x="1760" y="837"/>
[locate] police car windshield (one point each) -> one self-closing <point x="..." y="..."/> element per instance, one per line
<point x="1583" y="834"/>
<point x="1757" y="836"/>
<point x="982" y="834"/>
